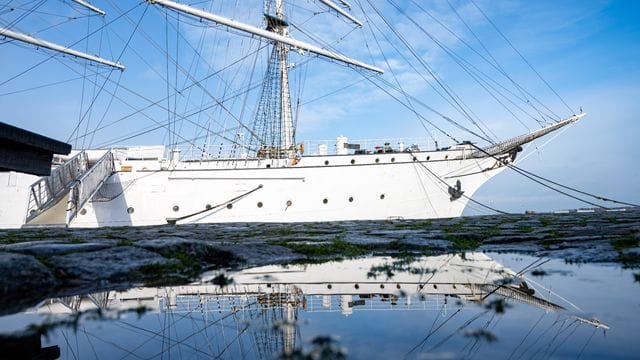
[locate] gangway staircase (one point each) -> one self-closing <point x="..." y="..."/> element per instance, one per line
<point x="55" y="200"/>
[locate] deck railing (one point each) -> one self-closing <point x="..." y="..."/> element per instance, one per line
<point x="48" y="190"/>
<point x="311" y="147"/>
<point x="89" y="183"/>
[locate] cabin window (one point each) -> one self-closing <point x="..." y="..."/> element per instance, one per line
<point x="324" y="201"/>
<point x="259" y="204"/>
<point x="428" y="158"/>
<point x="208" y="207"/>
<point x="377" y="160"/>
<point x="381" y="196"/>
<point x="446" y="157"/>
<point x="130" y="210"/>
<point x="83" y="211"/>
<point x="326" y="162"/>
<point x="415" y="158"/>
<point x="176" y="208"/>
<point x="393" y="159"/>
<point x="268" y="166"/>
<point x="353" y="161"/>
<point x="289" y="203"/>
<point x="229" y="206"/>
<point x="350" y="198"/>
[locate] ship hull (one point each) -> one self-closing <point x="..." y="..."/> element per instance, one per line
<point x="318" y="188"/>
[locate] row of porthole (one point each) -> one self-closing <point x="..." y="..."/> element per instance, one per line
<point x="175" y="208"/>
<point x="353" y="161"/>
<point x="289" y="203"/>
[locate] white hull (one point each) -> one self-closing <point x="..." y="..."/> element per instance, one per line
<point x="396" y="187"/>
<point x="317" y="188"/>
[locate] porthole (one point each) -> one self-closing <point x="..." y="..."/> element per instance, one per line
<point x="421" y="286"/>
<point x="83" y="212"/>
<point x="381" y="196"/>
<point x="130" y="210"/>
<point x="393" y="159"/>
<point x="329" y="286"/>
<point x="229" y="206"/>
<point x="289" y="203"/>
<point x="398" y="286"/>
<point x="324" y="201"/>
<point x="377" y="160"/>
<point x="356" y="286"/>
<point x="353" y="161"/>
<point x="350" y="198"/>
<point x="176" y="208"/>
<point x="259" y="204"/>
<point x="446" y="157"/>
<point x="428" y="158"/>
<point x="326" y="162"/>
<point x="435" y="286"/>
<point x="268" y="166"/>
<point x="381" y="286"/>
<point x="415" y="158"/>
<point x="208" y="207"/>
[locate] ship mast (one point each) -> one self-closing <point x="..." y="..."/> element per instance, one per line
<point x="273" y="123"/>
<point x="285" y="94"/>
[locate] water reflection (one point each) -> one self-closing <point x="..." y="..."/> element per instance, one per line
<point x="440" y="306"/>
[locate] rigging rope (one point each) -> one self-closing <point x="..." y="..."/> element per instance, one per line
<point x="539" y="179"/>
<point x="395" y="77"/>
<point x="95" y="98"/>
<point x="450" y="96"/>
<point x="520" y="54"/>
<point x="495" y="63"/>
<point x="462" y="107"/>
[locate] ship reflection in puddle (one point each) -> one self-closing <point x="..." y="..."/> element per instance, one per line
<point x="450" y="306"/>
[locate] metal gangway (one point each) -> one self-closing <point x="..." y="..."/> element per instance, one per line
<point x="77" y="180"/>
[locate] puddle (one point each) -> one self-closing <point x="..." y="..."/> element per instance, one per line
<point x="473" y="305"/>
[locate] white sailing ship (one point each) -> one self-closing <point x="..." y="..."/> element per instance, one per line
<point x="266" y="175"/>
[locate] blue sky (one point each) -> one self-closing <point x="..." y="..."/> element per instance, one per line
<point x="588" y="51"/>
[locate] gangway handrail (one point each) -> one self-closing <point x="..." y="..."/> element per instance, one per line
<point x="89" y="183"/>
<point x="48" y="190"/>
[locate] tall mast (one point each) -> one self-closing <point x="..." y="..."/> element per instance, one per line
<point x="273" y="127"/>
<point x="282" y="51"/>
